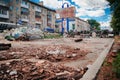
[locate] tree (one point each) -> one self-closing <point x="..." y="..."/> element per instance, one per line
<point x="94" y="24"/>
<point x="115" y="8"/>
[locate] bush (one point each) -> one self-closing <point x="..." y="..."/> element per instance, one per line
<point x="52" y="35"/>
<point x="10" y="38"/>
<point x="116" y="65"/>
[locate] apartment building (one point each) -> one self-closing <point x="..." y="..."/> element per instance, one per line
<point x="4" y="11"/>
<point x="28" y="13"/>
<point x="75" y="23"/>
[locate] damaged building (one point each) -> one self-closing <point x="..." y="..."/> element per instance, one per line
<point x="26" y="13"/>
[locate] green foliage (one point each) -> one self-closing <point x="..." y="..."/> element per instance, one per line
<point x="116" y="65"/>
<point x="111" y="1"/>
<point x="10" y="38"/>
<point x="106" y="63"/>
<point x="115" y="22"/>
<point x="52" y="35"/>
<point x="94" y="24"/>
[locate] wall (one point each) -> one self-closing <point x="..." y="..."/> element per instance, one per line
<point x="79" y="24"/>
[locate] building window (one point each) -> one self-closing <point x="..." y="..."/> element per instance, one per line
<point x="0" y="11"/>
<point x="24" y="2"/>
<point x="24" y="11"/>
<point x="37" y="14"/>
<point x="11" y="0"/>
<point x="17" y="1"/>
<point x="3" y="12"/>
<point x="38" y="7"/>
<point x="17" y="8"/>
<point x="11" y="8"/>
<point x="32" y="7"/>
<point x="11" y="15"/>
<point x="38" y="25"/>
<point x="73" y="26"/>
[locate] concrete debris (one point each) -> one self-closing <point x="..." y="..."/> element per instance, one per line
<point x="44" y="70"/>
<point x="78" y="40"/>
<point x="14" y="72"/>
<point x="52" y="53"/>
<point x="4" y="46"/>
<point x="24" y="33"/>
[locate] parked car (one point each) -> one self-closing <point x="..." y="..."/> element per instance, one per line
<point x="110" y="35"/>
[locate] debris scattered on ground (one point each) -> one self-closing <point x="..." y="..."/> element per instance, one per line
<point x="43" y="70"/>
<point x="54" y="53"/>
<point x="78" y="40"/>
<point x="4" y="46"/>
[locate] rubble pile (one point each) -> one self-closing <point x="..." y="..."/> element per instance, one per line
<point x="24" y="33"/>
<point x="53" y="53"/>
<point x="6" y="55"/>
<point x="40" y="70"/>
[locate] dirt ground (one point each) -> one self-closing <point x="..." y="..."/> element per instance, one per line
<point x="106" y="72"/>
<point x="65" y="51"/>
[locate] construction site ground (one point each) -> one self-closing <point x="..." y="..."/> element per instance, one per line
<point x="65" y="51"/>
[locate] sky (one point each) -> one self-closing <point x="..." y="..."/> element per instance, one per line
<point x="86" y="9"/>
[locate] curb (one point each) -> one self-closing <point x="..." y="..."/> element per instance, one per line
<point x="94" y="68"/>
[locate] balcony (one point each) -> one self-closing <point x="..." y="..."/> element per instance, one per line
<point x="24" y="18"/>
<point x="3" y="3"/>
<point x="49" y="21"/>
<point x="38" y="9"/>
<point x="37" y="14"/>
<point x="24" y="4"/>
<point x="25" y="11"/>
<point x="6" y="15"/>
<point x="38" y="22"/>
<point x="49" y="17"/>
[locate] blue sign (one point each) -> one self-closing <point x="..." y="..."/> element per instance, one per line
<point x="19" y="22"/>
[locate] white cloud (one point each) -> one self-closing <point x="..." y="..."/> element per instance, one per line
<point x="92" y="8"/>
<point x="103" y="24"/>
<point x="107" y="23"/>
<point x="90" y="4"/>
<point x="96" y="13"/>
<point x="52" y="3"/>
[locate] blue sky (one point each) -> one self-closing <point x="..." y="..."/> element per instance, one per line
<point x="85" y="9"/>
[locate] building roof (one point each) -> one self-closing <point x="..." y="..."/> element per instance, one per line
<point x="72" y="19"/>
<point x="81" y="19"/>
<point x="42" y="6"/>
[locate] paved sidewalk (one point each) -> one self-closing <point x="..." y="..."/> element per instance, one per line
<point x="93" y="69"/>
